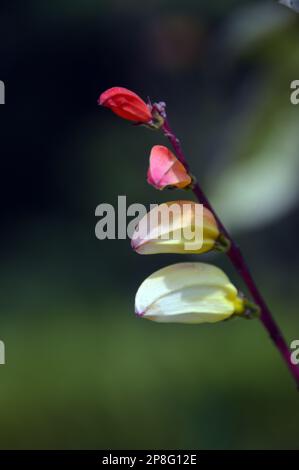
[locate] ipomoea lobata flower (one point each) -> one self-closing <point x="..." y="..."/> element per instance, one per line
<point x="188" y="293"/>
<point x="176" y="227"/>
<point x="126" y="104"/>
<point x="165" y="170"/>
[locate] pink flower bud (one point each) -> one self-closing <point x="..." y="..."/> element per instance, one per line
<point x="166" y="170"/>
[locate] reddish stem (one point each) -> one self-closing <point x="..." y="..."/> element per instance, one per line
<point x="237" y="259"/>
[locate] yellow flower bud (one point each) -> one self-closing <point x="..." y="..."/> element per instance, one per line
<point x="188" y="293"/>
<point x="176" y="227"/>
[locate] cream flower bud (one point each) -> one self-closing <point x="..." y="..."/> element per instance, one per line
<point x="188" y="293"/>
<point x="176" y="227"/>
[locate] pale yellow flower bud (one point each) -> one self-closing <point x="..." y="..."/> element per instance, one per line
<point x="188" y="293"/>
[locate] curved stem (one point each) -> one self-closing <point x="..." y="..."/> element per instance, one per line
<point x="237" y="259"/>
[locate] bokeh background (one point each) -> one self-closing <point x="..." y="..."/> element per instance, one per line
<point x="81" y="371"/>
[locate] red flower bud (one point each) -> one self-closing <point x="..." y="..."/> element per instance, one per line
<point x="126" y="104"/>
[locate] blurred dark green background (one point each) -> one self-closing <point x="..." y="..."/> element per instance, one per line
<point x="81" y="371"/>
